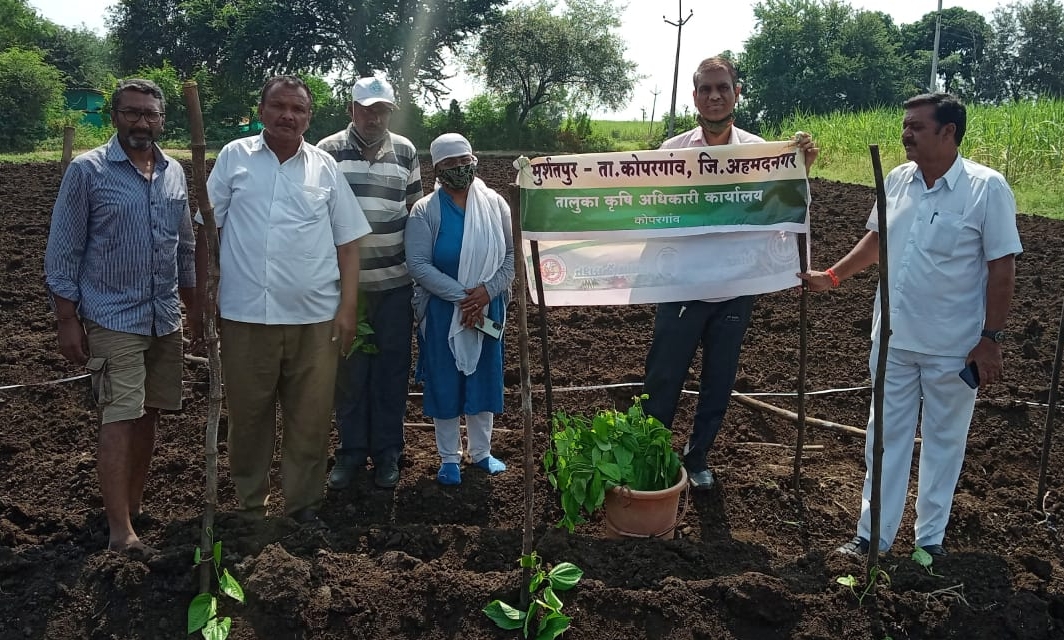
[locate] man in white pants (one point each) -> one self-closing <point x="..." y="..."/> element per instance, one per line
<point x="952" y="240"/>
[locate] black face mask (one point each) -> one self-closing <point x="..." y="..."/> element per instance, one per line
<point x="716" y="126"/>
<point x="458" y="178"/>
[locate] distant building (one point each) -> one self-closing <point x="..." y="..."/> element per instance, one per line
<point x="88" y="101"/>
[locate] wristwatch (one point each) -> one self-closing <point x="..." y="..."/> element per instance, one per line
<point x="997" y="335"/>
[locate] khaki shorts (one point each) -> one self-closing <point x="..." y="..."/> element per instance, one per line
<point x="131" y="372"/>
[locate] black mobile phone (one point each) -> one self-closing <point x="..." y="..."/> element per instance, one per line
<point x="970" y="375"/>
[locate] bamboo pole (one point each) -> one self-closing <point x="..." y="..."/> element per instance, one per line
<point x="803" y="348"/>
<point x="521" y="294"/>
<point x="1047" y="439"/>
<point x="881" y="362"/>
<point x="68" y="149"/>
<point x="210" y="328"/>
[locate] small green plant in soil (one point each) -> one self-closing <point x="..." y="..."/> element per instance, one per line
<point x="924" y="559"/>
<point x="203" y="610"/>
<point x="615" y="448"/>
<point x="363" y="330"/>
<point x="546" y="606"/>
<point x="875" y="576"/>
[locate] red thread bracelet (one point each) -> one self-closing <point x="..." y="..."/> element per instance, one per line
<point x="834" y="278"/>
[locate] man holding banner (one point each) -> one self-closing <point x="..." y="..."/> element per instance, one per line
<point x="717" y="324"/>
<point x="952" y="238"/>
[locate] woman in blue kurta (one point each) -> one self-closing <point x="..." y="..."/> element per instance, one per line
<point x="459" y="250"/>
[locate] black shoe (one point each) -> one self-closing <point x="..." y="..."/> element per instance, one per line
<point x="386" y="472"/>
<point x="343" y="473"/>
<point x="308" y="517"/>
<point x="856" y="547"/>
<point x="701" y="480"/>
<point x="935" y="550"/>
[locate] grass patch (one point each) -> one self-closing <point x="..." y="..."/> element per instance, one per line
<point x="57" y="156"/>
<point x="1024" y="141"/>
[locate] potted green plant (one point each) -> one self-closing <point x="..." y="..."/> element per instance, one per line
<point x="621" y="462"/>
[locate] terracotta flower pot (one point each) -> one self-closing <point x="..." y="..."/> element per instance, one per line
<point x="644" y="514"/>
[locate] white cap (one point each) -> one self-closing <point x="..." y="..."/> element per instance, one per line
<point x="369" y="91"/>
<point x="449" y="145"/>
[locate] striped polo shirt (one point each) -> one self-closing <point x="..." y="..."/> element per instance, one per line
<point x="120" y="244"/>
<point x="386" y="186"/>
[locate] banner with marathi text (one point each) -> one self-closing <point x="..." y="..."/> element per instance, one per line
<point x="669" y="225"/>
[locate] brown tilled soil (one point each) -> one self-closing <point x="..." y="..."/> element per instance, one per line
<point x="753" y="558"/>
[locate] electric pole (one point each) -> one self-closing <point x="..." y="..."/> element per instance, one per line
<point x="680" y="22"/>
<point x="934" y="54"/>
<point x="653" y="107"/>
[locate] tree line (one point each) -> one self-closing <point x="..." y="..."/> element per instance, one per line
<point x="544" y="64"/>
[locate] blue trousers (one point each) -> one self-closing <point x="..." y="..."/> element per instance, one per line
<point x="371" y="389"/>
<point x="679" y="328"/>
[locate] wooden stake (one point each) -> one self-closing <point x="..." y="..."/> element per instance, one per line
<point x="548" y="387"/>
<point x="68" y="149"/>
<point x="513" y="195"/>
<point x="210" y="328"/>
<point x="803" y="347"/>
<point x="790" y="415"/>
<point x="881" y="362"/>
<point x="1047" y="439"/>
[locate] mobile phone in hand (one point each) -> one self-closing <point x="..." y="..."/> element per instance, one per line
<point x="970" y="375"/>
<point x="490" y="327"/>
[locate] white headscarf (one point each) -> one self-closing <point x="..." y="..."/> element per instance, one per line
<point x="483" y="252"/>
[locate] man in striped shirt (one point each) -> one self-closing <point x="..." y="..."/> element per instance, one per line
<point x="385" y="175"/>
<point x="120" y="255"/>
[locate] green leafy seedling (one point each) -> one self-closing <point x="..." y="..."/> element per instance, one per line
<point x="363" y="331"/>
<point x="546" y="607"/>
<point x="924" y="559"/>
<point x="875" y="576"/>
<point x="203" y="610"/>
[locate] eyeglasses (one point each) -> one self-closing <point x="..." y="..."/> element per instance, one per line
<point x="131" y="116"/>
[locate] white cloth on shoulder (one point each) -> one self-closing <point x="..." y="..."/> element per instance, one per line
<point x="483" y="252"/>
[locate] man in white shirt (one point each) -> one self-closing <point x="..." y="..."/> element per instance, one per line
<point x="952" y="243"/>
<point x="717" y="325"/>
<point x="288" y="297"/>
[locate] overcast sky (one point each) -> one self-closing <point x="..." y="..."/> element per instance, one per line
<point x="651" y="42"/>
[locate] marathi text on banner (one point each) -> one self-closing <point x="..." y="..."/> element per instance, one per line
<point x="673" y="192"/>
<point x="668" y="225"/>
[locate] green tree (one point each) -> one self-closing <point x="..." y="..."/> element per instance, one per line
<point x="20" y="26"/>
<point x="31" y="95"/>
<point x="999" y="75"/>
<point x="1025" y="55"/>
<point x="329" y="109"/>
<point x="254" y="39"/>
<point x="536" y="56"/>
<point x="1041" y="47"/>
<point x="186" y="34"/>
<point x="963" y="40"/>
<point x="84" y="58"/>
<point x="819" y="56"/>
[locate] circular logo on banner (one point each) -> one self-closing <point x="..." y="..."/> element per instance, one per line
<point x="783" y="248"/>
<point x="552" y="270"/>
<point x="667" y="260"/>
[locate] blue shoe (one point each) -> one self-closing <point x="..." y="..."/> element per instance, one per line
<point x="491" y="464"/>
<point x="449" y="474"/>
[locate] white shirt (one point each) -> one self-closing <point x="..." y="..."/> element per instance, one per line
<point x="696" y="138"/>
<point x="281" y="225"/>
<point x="938" y="243"/>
